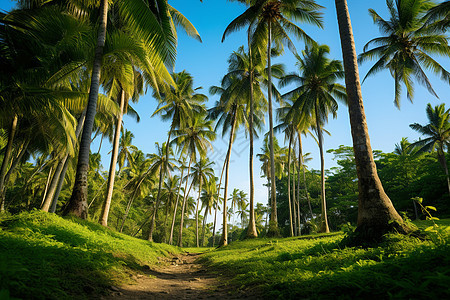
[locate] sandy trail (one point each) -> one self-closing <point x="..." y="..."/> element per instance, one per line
<point x="181" y="278"/>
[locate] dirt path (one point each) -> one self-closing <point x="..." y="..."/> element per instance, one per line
<point x="181" y="278"/>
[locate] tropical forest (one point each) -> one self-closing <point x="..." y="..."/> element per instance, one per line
<point x="224" y="149"/>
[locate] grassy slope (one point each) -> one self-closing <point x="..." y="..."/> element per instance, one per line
<point x="318" y="267"/>
<point x="43" y="256"/>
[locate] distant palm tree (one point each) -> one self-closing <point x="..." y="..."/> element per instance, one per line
<point x="208" y="198"/>
<point x="316" y="96"/>
<point x="271" y="19"/>
<point x="438" y="132"/>
<point x="202" y="172"/>
<point x="406" y="45"/>
<point x="195" y="138"/>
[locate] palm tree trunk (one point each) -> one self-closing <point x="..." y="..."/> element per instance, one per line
<point x="175" y="209"/>
<point x="78" y="201"/>
<point x="196" y="211"/>
<point x="183" y="207"/>
<point x="204" y="226"/>
<point x="53" y="185"/>
<point x="217" y="204"/>
<point x="289" y="184"/>
<point x="298" y="194"/>
<point x="224" y="239"/>
<point x="300" y="153"/>
<point x="251" y="231"/>
<point x="376" y="214"/>
<point x="441" y="155"/>
<point x="273" y="224"/>
<point x="50" y="172"/>
<point x="158" y="200"/>
<point x="112" y="166"/>
<point x="66" y="164"/>
<point x="6" y="158"/>
<point x="324" y="225"/>
<point x="294" y="198"/>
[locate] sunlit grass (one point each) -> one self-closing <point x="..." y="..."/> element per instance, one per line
<point x="44" y="256"/>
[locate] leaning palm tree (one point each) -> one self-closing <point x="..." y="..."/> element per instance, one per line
<point x="202" y="172"/>
<point x="195" y="138"/>
<point x="406" y="46"/>
<point x="316" y="95"/>
<point x="376" y="214"/>
<point x="438" y="134"/>
<point x="272" y="19"/>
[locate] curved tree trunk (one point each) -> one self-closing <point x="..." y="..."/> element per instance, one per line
<point x="183" y="207"/>
<point x="196" y="211"/>
<point x="78" y="201"/>
<point x="224" y="239"/>
<point x="6" y="158"/>
<point x="289" y="185"/>
<point x="376" y="214"/>
<point x="217" y="204"/>
<point x="112" y="166"/>
<point x="66" y="164"/>
<point x="176" y="206"/>
<point x="251" y="230"/>
<point x="324" y="224"/>
<point x="273" y="224"/>
<point x="158" y="200"/>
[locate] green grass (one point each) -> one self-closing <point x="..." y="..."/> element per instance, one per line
<point x="319" y="267"/>
<point x="43" y="256"/>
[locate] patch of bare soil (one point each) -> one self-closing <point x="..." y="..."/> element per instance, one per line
<point x="181" y="278"/>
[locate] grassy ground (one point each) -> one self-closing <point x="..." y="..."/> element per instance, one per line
<point x="43" y="256"/>
<point x="319" y="267"/>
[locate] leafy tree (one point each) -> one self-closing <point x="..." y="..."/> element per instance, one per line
<point x="406" y="45"/>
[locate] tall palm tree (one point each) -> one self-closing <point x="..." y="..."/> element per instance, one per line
<point x="406" y="46"/>
<point x="376" y="214"/>
<point x="202" y="172"/>
<point x="161" y="166"/>
<point x="195" y="138"/>
<point x="316" y="96"/>
<point x="438" y="134"/>
<point x="272" y="19"/>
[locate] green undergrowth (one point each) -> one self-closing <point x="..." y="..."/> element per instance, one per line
<point x="44" y="256"/>
<point x="320" y="267"/>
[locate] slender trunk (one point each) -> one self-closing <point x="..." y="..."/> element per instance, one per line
<point x="183" y="207"/>
<point x="196" y="211"/>
<point x="224" y="240"/>
<point x="324" y="224"/>
<point x="96" y="194"/>
<point x="112" y="166"/>
<point x="78" y="202"/>
<point x="251" y="231"/>
<point x="53" y="185"/>
<point x="289" y="184"/>
<point x="217" y="203"/>
<point x="298" y="192"/>
<point x="273" y="225"/>
<point x="175" y="209"/>
<point x="204" y="226"/>
<point x="294" y="198"/>
<point x="300" y="156"/>
<point x="66" y="164"/>
<point x="6" y="158"/>
<point x="158" y="200"/>
<point x="376" y="214"/>
<point x="50" y="172"/>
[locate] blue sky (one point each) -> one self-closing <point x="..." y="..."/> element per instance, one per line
<point x="207" y="62"/>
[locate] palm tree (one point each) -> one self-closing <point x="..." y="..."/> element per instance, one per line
<point x="202" y="172"/>
<point x="161" y="166"/>
<point x="406" y="45"/>
<point x="438" y="132"/>
<point x="182" y="167"/>
<point x="192" y="139"/>
<point x="376" y="214"/>
<point x="316" y="96"/>
<point x="272" y="19"/>
<point x="208" y="198"/>
<point x="439" y="15"/>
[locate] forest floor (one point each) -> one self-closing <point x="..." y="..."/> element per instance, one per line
<point x="182" y="277"/>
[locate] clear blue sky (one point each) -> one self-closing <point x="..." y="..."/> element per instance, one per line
<point x="207" y="62"/>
